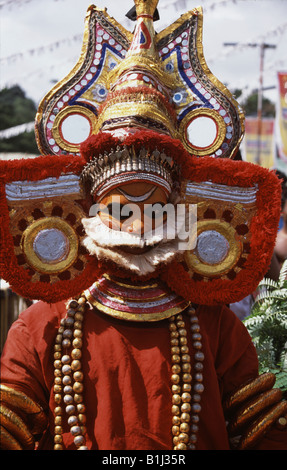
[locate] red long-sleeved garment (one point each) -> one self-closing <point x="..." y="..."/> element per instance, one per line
<point x="127" y="369"/>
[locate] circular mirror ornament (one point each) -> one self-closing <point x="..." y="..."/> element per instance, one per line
<point x="212" y="247"/>
<point x="50" y="245"/>
<point x="203" y="131"/>
<point x="217" y="249"/>
<point x="72" y="126"/>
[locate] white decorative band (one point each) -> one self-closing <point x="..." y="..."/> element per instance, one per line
<point x="210" y="190"/>
<point x="49" y="187"/>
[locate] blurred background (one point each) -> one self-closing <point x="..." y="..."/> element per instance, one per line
<point x="244" y="44"/>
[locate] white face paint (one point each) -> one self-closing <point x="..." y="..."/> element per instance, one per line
<point x="111" y="237"/>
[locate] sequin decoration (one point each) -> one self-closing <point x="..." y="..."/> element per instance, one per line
<point x="104" y="46"/>
<point x="180" y="49"/>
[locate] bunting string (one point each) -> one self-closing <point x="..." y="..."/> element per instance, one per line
<point x="278" y="31"/>
<point x="16" y="130"/>
<point x="16" y="3"/>
<point x="178" y="4"/>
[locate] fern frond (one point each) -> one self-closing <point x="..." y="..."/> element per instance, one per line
<point x="267" y="325"/>
<point x="265" y="295"/>
<point x="252" y="321"/>
<point x="283" y="274"/>
<point x="270" y="283"/>
<point x="278" y="294"/>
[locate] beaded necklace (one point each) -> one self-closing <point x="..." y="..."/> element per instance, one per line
<point x="186" y="397"/>
<point x="69" y="378"/>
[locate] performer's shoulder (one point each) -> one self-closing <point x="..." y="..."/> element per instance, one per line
<point x="218" y="314"/>
<point x="42" y="312"/>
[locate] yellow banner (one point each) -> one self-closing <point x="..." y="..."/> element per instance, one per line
<point x="259" y="141"/>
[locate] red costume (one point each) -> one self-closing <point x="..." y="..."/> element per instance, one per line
<point x="129" y="347"/>
<point x="127" y="392"/>
<point x="128" y="371"/>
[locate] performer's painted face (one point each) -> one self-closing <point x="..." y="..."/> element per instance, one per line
<point x="135" y="208"/>
<point x="132" y="228"/>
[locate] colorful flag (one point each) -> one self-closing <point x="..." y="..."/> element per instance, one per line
<point x="281" y="123"/>
<point x="258" y="145"/>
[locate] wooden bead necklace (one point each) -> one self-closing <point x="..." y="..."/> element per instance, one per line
<point x="69" y="386"/>
<point x="186" y="397"/>
<point x="69" y="376"/>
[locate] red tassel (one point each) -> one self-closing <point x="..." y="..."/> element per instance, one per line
<point x="17" y="276"/>
<point x="264" y="227"/>
<point x="34" y="169"/>
<point x="102" y="142"/>
<point x="231" y="173"/>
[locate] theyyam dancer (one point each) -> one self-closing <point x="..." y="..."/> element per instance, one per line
<point x="133" y="230"/>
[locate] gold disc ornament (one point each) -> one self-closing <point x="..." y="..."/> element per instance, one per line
<point x="50" y="245"/>
<point x="217" y="250"/>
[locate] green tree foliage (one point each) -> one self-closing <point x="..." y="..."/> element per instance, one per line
<point x="267" y="325"/>
<point x="250" y="105"/>
<point x="16" y="109"/>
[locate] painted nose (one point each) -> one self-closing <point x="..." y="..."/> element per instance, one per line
<point x="136" y="227"/>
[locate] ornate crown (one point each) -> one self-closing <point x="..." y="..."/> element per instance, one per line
<point x="125" y="85"/>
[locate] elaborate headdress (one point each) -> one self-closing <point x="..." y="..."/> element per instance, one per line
<point x="138" y="106"/>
